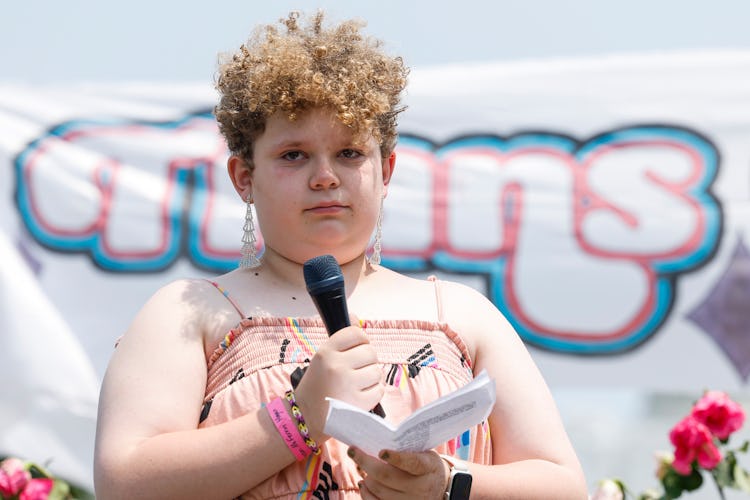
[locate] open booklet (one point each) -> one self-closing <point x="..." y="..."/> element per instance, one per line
<point x="433" y="424"/>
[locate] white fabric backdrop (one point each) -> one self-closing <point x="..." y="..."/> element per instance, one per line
<point x="602" y="204"/>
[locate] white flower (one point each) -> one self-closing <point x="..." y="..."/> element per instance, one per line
<point x="607" y="490"/>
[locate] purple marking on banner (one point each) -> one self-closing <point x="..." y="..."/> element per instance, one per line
<point x="725" y="313"/>
<point x="23" y="246"/>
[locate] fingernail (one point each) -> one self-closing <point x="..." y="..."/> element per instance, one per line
<point x="384" y="455"/>
<point x="350" y="452"/>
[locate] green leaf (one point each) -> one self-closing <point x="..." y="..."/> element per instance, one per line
<point x="652" y="494"/>
<point x="723" y="471"/>
<point x="741" y="479"/>
<point x="60" y="491"/>
<point x="672" y="483"/>
<point x="79" y="493"/>
<point x="620" y="484"/>
<point x="37" y="472"/>
<point x="693" y="481"/>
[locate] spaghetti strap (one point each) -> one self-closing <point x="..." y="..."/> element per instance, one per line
<point x="438" y="297"/>
<point x="230" y="299"/>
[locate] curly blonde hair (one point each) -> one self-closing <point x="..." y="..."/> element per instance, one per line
<point x="305" y="67"/>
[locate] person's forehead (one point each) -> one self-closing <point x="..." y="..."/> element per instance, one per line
<point x="313" y="121"/>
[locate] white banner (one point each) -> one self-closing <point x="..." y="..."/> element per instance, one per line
<point x="601" y="204"/>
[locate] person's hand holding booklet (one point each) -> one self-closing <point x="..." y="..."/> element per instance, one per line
<point x="426" y="428"/>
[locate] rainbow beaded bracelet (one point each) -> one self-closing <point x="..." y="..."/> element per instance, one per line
<point x="301" y="425"/>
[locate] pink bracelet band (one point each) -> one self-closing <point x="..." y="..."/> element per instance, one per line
<point x="287" y="429"/>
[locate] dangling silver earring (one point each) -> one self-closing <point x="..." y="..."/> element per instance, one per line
<point x="249" y="252"/>
<point x="375" y="257"/>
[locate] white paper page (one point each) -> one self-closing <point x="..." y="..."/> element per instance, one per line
<point x="429" y="426"/>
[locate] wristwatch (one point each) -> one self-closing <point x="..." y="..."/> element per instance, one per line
<point x="459" y="483"/>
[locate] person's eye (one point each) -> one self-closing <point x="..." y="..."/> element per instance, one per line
<point x="293" y="155"/>
<point x="350" y="153"/>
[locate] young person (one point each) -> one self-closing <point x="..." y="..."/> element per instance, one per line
<point x="197" y="400"/>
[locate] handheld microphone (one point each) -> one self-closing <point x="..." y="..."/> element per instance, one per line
<point x="325" y="284"/>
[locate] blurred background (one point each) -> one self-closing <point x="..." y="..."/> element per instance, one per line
<point x="630" y="286"/>
<point x="87" y="41"/>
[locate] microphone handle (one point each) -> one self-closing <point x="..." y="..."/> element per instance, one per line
<point x="332" y="308"/>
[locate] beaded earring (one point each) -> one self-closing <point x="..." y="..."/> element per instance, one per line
<point x="249" y="258"/>
<point x="375" y="257"/>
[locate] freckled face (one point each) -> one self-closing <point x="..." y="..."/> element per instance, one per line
<point x="316" y="188"/>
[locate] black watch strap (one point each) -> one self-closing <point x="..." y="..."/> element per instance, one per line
<point x="459" y="482"/>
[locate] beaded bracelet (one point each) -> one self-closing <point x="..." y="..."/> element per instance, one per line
<point x="287" y="429"/>
<point x="301" y="425"/>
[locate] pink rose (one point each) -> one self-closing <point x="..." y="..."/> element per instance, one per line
<point x="37" y="489"/>
<point x="692" y="440"/>
<point x="13" y="476"/>
<point x="720" y="414"/>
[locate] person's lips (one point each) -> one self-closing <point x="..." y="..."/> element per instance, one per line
<point x="327" y="207"/>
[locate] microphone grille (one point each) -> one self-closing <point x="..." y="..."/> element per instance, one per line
<point x="321" y="268"/>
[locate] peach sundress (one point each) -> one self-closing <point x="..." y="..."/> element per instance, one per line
<point x="421" y="361"/>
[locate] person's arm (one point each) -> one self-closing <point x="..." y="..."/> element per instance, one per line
<point x="532" y="456"/>
<point x="148" y="444"/>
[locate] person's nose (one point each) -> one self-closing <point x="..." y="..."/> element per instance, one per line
<point x="324" y="175"/>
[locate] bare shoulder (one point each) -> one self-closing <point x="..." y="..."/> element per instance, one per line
<point x="180" y="293"/>
<point x="182" y="310"/>
<point x="181" y="300"/>
<point x="392" y="295"/>
<point x="460" y="301"/>
<point x="475" y="318"/>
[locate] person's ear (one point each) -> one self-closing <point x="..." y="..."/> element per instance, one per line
<point x="389" y="164"/>
<point x="241" y="176"/>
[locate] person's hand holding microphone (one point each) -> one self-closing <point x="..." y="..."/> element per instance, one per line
<point x="346" y="366"/>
